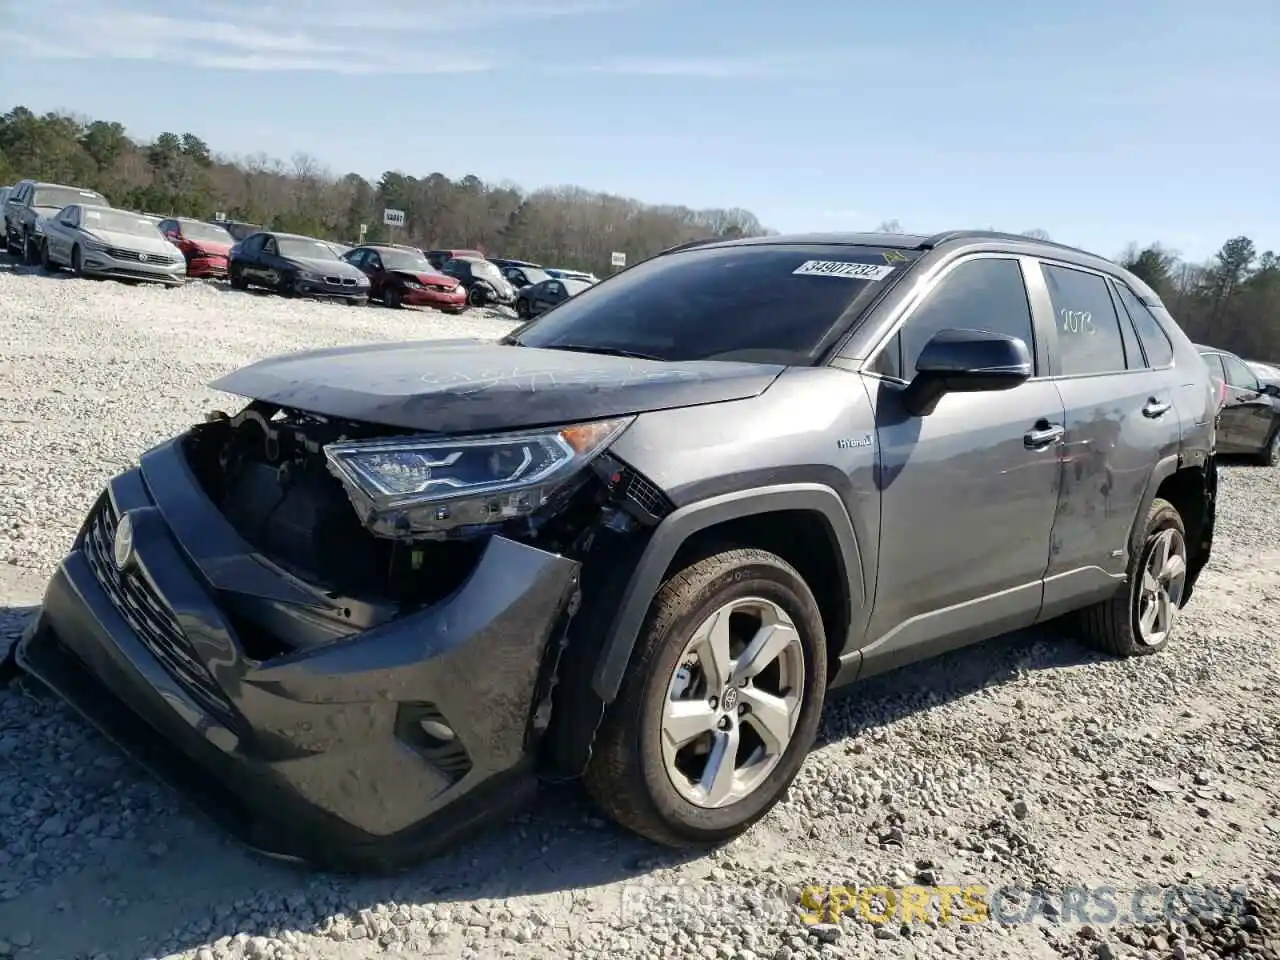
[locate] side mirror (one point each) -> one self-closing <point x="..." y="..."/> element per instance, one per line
<point x="965" y="361"/>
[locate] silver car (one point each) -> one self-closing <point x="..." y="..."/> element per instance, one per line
<point x="99" y="241"/>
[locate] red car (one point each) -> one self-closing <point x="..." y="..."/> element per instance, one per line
<point x="205" y="245"/>
<point x="403" y="277"/>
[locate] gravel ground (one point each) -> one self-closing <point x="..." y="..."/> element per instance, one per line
<point x="1025" y="762"/>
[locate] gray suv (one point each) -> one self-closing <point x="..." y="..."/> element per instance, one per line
<point x="637" y="540"/>
<point x="26" y="207"/>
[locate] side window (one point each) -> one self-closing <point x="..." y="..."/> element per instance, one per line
<point x="269" y="246"/>
<point x="1238" y="375"/>
<point x="986" y="293"/>
<point x="356" y="258"/>
<point x="553" y="289"/>
<point x="1133" y="355"/>
<point x="1155" y="342"/>
<point x="1214" y="362"/>
<point x="1089" y="338"/>
<point x="372" y="261"/>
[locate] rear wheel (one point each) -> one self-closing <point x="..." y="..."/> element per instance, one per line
<point x="476" y="296"/>
<point x="522" y="309"/>
<point x="1139" y="619"/>
<point x="720" y="705"/>
<point x="1270" y="455"/>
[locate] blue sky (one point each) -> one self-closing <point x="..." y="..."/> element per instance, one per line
<point x="1101" y="122"/>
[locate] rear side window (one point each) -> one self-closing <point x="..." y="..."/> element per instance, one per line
<point x="766" y="303"/>
<point x="982" y="294"/>
<point x="1214" y="362"/>
<point x="1089" y="338"/>
<point x="1155" y="342"/>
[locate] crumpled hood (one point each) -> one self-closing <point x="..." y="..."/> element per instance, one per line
<point x="462" y="386"/>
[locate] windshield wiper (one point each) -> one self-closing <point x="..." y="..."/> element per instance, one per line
<point x="602" y="351"/>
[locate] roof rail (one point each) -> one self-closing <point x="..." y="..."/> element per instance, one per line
<point x="947" y="236"/>
<point x="689" y="244"/>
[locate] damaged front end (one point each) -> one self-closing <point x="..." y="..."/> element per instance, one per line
<point x="346" y="638"/>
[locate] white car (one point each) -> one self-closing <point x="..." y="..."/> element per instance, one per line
<point x="1264" y="371"/>
<point x="97" y="241"/>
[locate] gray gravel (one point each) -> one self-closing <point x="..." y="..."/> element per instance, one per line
<point x="1025" y="762"/>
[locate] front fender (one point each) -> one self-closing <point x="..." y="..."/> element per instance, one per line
<point x="677" y="528"/>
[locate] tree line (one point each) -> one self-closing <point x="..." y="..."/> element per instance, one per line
<point x="1231" y="301"/>
<point x="179" y="175"/>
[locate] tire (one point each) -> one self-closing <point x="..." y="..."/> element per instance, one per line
<point x="30" y="251"/>
<point x="236" y="280"/>
<point x="628" y="772"/>
<point x="391" y="297"/>
<point x="476" y="296"/>
<point x="77" y="261"/>
<point x="1115" y="626"/>
<point x="285" y="287"/>
<point x="46" y="264"/>
<point x="1270" y="455"/>
<point x="522" y="309"/>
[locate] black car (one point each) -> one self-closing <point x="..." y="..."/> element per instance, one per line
<point x="521" y="277"/>
<point x="538" y="298"/>
<point x="483" y="281"/>
<point x="1249" y="421"/>
<point x="503" y="263"/>
<point x="294" y="266"/>
<point x="637" y="541"/>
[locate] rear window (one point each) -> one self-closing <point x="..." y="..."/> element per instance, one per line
<point x="60" y="197"/>
<point x="779" y="303"/>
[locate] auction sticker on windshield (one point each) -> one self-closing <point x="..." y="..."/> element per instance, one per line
<point x="842" y="269"/>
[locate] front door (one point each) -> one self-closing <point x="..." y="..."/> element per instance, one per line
<point x="967" y="493"/>
<point x="1251" y="408"/>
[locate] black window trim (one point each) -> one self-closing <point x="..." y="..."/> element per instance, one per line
<point x="1055" y="341"/>
<point x="925" y="288"/>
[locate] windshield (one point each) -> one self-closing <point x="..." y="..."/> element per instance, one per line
<point x="118" y="221"/>
<point x="774" y="303"/>
<point x="405" y="260"/>
<point x="304" y="249"/>
<point x="198" y="230"/>
<point x="533" y="274"/>
<point x="60" y="197"/>
<point x="485" y="270"/>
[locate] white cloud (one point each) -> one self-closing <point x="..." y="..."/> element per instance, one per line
<point x="332" y="36"/>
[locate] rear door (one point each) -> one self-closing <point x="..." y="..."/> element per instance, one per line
<point x="1251" y="407"/>
<point x="1120" y="421"/>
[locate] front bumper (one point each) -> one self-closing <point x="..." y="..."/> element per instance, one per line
<point x="330" y="290"/>
<point x="443" y="300"/>
<point x="333" y="755"/>
<point x="206" y="266"/>
<point x="118" y="264"/>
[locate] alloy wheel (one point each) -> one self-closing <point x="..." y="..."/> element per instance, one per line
<point x="1164" y="578"/>
<point x="733" y="702"/>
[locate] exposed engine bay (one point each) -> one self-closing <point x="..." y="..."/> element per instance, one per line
<point x="266" y="469"/>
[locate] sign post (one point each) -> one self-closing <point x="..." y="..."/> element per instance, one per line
<point x="618" y="260"/>
<point x="364" y="229"/>
<point x="392" y="219"/>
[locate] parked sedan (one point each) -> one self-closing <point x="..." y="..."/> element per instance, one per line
<point x="400" y="277"/>
<point x="99" y="241"/>
<point x="205" y="246"/>
<point x="538" y="298"/>
<point x="1249" y="422"/>
<point x="28" y="205"/>
<point x="483" y="281"/>
<point x="293" y="266"/>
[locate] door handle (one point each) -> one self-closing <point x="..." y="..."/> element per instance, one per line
<point x="1155" y="408"/>
<point x="1045" y="434"/>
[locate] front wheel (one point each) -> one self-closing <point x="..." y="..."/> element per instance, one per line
<point x="77" y="261"/>
<point x="46" y="262"/>
<point x="30" y="250"/>
<point x="391" y="297"/>
<point x="236" y="279"/>
<point x="1139" y="619"/>
<point x="720" y="704"/>
<point x="522" y="309"/>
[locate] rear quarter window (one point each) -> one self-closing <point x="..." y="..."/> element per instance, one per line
<point x="1155" y="342"/>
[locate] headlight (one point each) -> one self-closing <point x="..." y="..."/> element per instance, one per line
<point x="306" y="276"/>
<point x="412" y="285"/>
<point x="427" y="487"/>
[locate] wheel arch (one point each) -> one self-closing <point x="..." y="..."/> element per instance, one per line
<point x="1192" y="489"/>
<point x="742" y="519"/>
